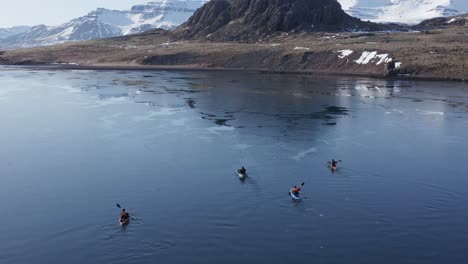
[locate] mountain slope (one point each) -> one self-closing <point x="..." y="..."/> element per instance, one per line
<point x="461" y="20"/>
<point x="403" y="11"/>
<point x="8" y="32"/>
<point x="102" y="23"/>
<point x="254" y="19"/>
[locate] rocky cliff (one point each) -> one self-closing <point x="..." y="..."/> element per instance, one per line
<point x="247" y="20"/>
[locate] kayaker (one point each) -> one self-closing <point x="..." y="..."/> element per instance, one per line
<point x="295" y="190"/>
<point x="123" y="214"/>
<point x="242" y="170"/>
<point x="334" y="163"/>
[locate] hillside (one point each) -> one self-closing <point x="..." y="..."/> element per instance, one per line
<point x="250" y="20"/>
<point x="403" y="11"/>
<point x="274" y="35"/>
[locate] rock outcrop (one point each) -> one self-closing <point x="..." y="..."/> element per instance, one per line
<point x="247" y="20"/>
<point x="461" y="20"/>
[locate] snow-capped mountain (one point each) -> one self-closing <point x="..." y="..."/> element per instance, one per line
<point x="403" y="11"/>
<point x="8" y="32"/>
<point x="103" y="23"/>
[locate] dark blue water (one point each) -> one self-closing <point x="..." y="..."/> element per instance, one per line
<point x="166" y="145"/>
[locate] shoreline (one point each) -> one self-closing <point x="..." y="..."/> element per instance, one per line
<point x="384" y="56"/>
<point x="198" y="68"/>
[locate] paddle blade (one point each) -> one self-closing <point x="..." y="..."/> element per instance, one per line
<point x="118" y="205"/>
<point x="302" y="184"/>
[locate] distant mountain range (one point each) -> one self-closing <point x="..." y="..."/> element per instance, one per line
<point x="403" y="11"/>
<point x="168" y="14"/>
<point x="103" y="23"/>
<point x="8" y="32"/>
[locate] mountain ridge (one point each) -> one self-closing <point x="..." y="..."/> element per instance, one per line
<point x="252" y="20"/>
<point x="104" y="23"/>
<point x="11" y="31"/>
<point x="403" y="11"/>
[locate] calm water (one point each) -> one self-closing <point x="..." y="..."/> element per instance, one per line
<point x="166" y="145"/>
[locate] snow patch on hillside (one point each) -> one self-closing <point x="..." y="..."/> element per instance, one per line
<point x="367" y="57"/>
<point x="344" y="53"/>
<point x="403" y="11"/>
<point x="103" y="23"/>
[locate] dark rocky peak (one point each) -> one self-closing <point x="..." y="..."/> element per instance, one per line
<point x="254" y="19"/>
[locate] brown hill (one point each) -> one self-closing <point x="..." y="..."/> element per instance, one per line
<point x="250" y="20"/>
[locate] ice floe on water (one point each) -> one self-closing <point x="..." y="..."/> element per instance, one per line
<point x="433" y="113"/>
<point x="5" y="91"/>
<point x="70" y="89"/>
<point x="179" y="122"/>
<point x="242" y="146"/>
<point x="218" y="129"/>
<point x="161" y="112"/>
<point x="110" y="101"/>
<point x="299" y="156"/>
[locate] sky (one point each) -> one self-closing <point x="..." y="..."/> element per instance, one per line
<point x="53" y="12"/>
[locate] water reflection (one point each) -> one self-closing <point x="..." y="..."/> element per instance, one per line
<point x="168" y="144"/>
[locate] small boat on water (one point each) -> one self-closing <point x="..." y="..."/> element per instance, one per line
<point x="295" y="197"/>
<point x="241" y="175"/>
<point x="124" y="221"/>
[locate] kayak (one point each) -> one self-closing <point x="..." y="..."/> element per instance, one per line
<point x="241" y="175"/>
<point x="124" y="222"/>
<point x="294" y="197"/>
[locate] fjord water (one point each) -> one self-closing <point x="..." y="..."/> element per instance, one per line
<point x="166" y="145"/>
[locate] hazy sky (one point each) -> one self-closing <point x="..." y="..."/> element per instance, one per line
<point x="53" y="12"/>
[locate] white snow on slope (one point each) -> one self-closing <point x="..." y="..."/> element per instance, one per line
<point x="403" y="11"/>
<point x="368" y="57"/>
<point x="8" y="32"/>
<point x="344" y="53"/>
<point x="103" y="23"/>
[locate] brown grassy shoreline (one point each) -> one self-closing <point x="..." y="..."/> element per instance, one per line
<point x="438" y="55"/>
<point x="192" y="68"/>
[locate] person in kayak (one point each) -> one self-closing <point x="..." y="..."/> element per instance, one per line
<point x="123" y="214"/>
<point x="334" y="163"/>
<point x="242" y="170"/>
<point x="295" y="190"/>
